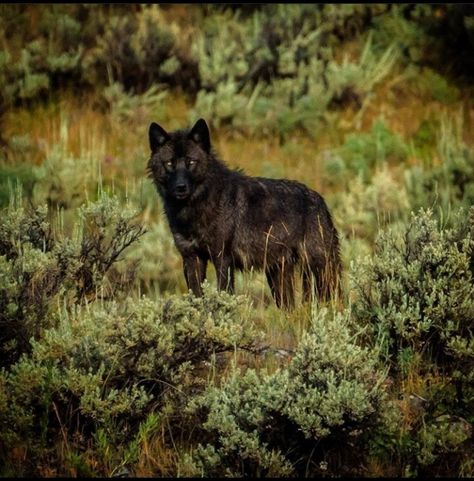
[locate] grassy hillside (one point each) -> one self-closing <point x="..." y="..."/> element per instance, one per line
<point x="109" y="367"/>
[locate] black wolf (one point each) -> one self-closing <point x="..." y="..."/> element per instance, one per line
<point x="235" y="221"/>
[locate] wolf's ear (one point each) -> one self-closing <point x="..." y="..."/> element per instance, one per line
<point x="200" y="134"/>
<point x="157" y="135"/>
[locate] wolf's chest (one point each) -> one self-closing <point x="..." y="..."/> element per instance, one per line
<point x="196" y="233"/>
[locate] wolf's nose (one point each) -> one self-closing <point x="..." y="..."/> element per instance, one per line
<point x="181" y="188"/>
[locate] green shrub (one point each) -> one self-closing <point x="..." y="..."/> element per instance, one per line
<point x="448" y="181"/>
<point x="135" y="108"/>
<point x="416" y="294"/>
<point x="431" y="84"/>
<point x="361" y="152"/>
<point x="443" y="436"/>
<point x="406" y="27"/>
<point x="10" y="176"/>
<point x="42" y="54"/>
<point x="414" y="297"/>
<point x="20" y="79"/>
<point x="429" y="35"/>
<point x="159" y="262"/>
<point x="286" y="423"/>
<point x="276" y="71"/>
<point x="109" y="369"/>
<point x="431" y="445"/>
<point x="40" y="267"/>
<point x="64" y="181"/>
<point x="356" y="80"/>
<point x="137" y="51"/>
<point x="417" y="290"/>
<point x="57" y="46"/>
<point x="366" y="207"/>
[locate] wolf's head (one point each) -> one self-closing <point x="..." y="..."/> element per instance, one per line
<point x="179" y="160"/>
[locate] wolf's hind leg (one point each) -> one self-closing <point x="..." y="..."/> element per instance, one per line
<point x="326" y="278"/>
<point x="308" y="284"/>
<point x="280" y="278"/>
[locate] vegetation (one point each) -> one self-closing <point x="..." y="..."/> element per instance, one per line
<point x="109" y="367"/>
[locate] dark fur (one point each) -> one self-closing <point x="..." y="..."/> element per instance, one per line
<point x="237" y="222"/>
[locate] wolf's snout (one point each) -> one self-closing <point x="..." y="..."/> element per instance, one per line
<point x="181" y="189"/>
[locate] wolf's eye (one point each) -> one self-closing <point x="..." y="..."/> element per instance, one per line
<point x="192" y="162"/>
<point x="169" y="163"/>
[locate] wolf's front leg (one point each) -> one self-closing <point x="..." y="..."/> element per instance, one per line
<point x="194" y="272"/>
